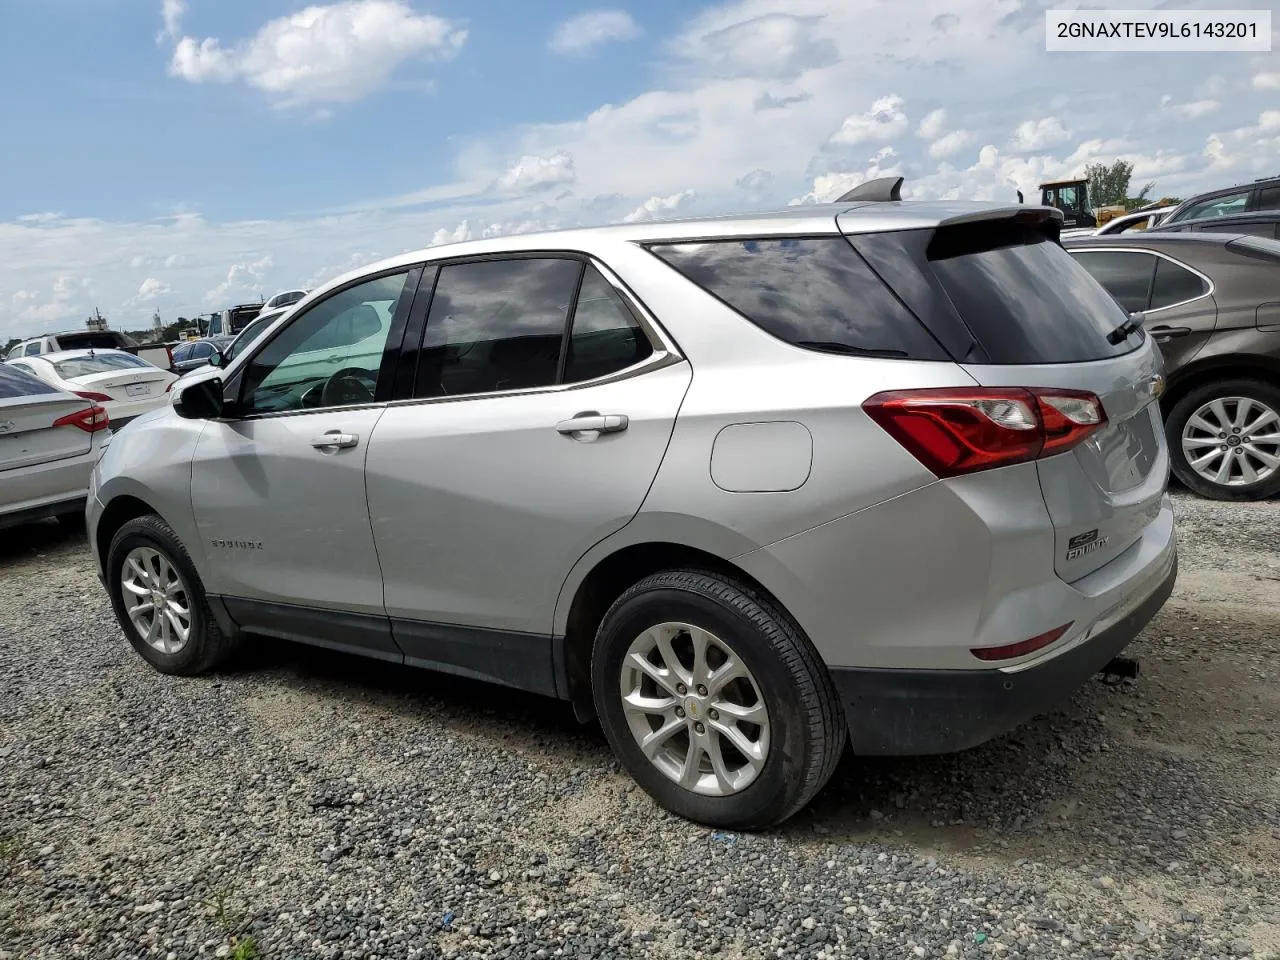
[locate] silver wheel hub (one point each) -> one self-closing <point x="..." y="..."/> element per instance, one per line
<point x="156" y="599"/>
<point x="1233" y="441"/>
<point x="694" y="708"/>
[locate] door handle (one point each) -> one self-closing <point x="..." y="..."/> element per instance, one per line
<point x="1167" y="333"/>
<point x="335" y="440"/>
<point x="590" y="421"/>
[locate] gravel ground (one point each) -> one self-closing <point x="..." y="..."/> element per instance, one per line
<point x="313" y="805"/>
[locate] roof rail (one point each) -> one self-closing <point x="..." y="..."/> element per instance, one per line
<point x="883" y="190"/>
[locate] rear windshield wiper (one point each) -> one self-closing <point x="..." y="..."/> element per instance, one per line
<point x="1122" y="332"/>
<point x="835" y="346"/>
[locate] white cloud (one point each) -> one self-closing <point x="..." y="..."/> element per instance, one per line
<point x="1266" y="81"/>
<point x="1039" y="134"/>
<point x="336" y="53"/>
<point x="950" y="143"/>
<point x="39" y="217"/>
<point x="885" y="121"/>
<point x="740" y="41"/>
<point x="1189" y="111"/>
<point x="152" y="288"/>
<point x="933" y="124"/>
<point x="589" y="30"/>
<point x="244" y="280"/>
<point x="656" y="207"/>
<point x="534" y="173"/>
<point x="172" y="12"/>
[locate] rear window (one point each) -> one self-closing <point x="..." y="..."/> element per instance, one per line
<point x="1023" y="297"/>
<point x="18" y="383"/>
<point x="102" y="363"/>
<point x="812" y="292"/>
<point x="93" y="340"/>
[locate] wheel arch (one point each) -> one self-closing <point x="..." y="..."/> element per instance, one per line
<point x="605" y="572"/>
<point x="118" y="511"/>
<point x="1252" y="366"/>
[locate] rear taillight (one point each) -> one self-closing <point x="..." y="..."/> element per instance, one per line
<point x="90" y="421"/>
<point x="958" y="431"/>
<point x="1022" y="647"/>
<point x="91" y="395"/>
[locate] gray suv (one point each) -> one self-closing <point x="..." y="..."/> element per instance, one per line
<point x="746" y="489"/>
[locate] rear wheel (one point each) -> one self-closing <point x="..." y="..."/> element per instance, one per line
<point x="1224" y="440"/>
<point x="160" y="602"/>
<point x="714" y="700"/>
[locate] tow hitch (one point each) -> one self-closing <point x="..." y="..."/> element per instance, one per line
<point x="1120" y="669"/>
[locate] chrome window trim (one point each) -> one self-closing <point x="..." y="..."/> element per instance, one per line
<point x="1164" y="256"/>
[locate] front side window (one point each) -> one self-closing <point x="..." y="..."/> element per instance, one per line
<point x="1175" y="284"/>
<point x="328" y="356"/>
<point x="33" y="349"/>
<point x="605" y="336"/>
<point x="1217" y="207"/>
<point x="201" y="351"/>
<point x="496" y="325"/>
<point x="1126" y="276"/>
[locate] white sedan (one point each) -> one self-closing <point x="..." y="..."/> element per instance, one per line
<point x="121" y="383"/>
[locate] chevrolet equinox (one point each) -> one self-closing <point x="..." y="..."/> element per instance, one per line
<point x="878" y="473"/>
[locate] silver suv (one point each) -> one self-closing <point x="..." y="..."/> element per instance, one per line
<point x="745" y="489"/>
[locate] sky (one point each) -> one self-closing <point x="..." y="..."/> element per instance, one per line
<point x="184" y="155"/>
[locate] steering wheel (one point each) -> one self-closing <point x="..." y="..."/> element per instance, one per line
<point x="346" y="386"/>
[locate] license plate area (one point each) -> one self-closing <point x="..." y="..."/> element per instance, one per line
<point x="137" y="389"/>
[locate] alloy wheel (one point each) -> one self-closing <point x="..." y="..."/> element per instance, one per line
<point x="1233" y="441"/>
<point x="156" y="600"/>
<point x="694" y="708"/>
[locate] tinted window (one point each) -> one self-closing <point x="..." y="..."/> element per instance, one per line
<point x="102" y="363"/>
<point x="1269" y="198"/>
<point x="1127" y="276"/>
<point x="201" y="351"/>
<point x="33" y="349"/>
<point x="1217" y="206"/>
<point x="95" y="340"/>
<point x="330" y="355"/>
<point x="18" y="383"/>
<point x="817" y="293"/>
<point x="1025" y="299"/>
<point x="1175" y="284"/>
<point x="496" y="325"/>
<point x="605" y="336"/>
<point x="180" y="352"/>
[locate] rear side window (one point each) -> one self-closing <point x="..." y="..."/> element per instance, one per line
<point x="817" y="293"/>
<point x="1126" y="276"/>
<point x="1024" y="298"/>
<point x="496" y="325"/>
<point x="1217" y="206"/>
<point x="18" y="383"/>
<point x="1175" y="284"/>
<point x="1269" y="198"/>
<point x="604" y="337"/>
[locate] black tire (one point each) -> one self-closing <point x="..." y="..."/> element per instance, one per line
<point x="207" y="646"/>
<point x="1257" y="390"/>
<point x="807" y="723"/>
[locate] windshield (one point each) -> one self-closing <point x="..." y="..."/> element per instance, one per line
<point x="100" y="363"/>
<point x="247" y="336"/>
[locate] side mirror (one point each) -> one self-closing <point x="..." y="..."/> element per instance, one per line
<point x="216" y="359"/>
<point x="200" y="401"/>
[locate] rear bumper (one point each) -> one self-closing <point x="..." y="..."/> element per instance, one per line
<point x="913" y="712"/>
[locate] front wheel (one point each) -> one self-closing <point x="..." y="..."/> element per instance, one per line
<point x="714" y="700"/>
<point x="160" y="601"/>
<point x="1224" y="440"/>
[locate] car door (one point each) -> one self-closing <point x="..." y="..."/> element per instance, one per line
<point x="278" y="487"/>
<point x="1178" y="312"/>
<point x="541" y="404"/>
